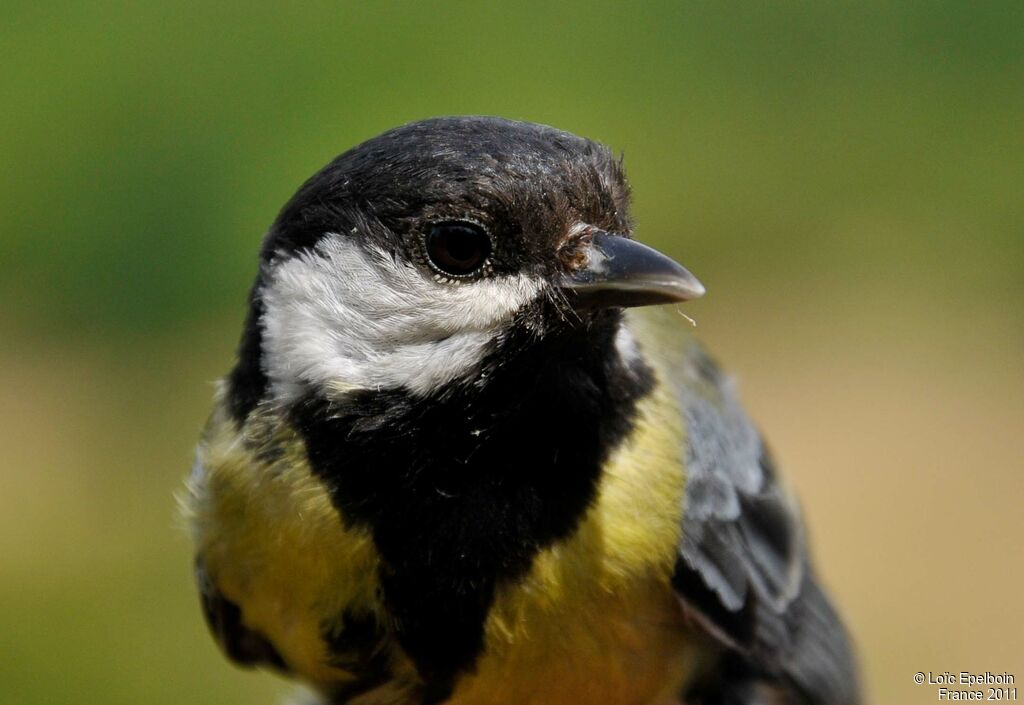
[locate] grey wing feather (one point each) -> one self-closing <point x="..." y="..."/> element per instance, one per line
<point x="743" y="573"/>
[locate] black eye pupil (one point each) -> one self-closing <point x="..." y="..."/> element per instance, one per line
<point x="458" y="249"/>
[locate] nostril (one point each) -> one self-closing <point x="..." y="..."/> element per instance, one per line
<point x="573" y="252"/>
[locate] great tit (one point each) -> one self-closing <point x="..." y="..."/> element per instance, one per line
<point x="456" y="463"/>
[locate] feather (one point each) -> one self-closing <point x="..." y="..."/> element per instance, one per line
<point x="743" y="573"/>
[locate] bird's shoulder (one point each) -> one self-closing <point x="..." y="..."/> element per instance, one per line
<point x="743" y="572"/>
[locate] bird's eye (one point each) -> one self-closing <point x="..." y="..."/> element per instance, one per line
<point x="458" y="249"/>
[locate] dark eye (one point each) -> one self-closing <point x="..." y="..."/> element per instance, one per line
<point x="458" y="249"/>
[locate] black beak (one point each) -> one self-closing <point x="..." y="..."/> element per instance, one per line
<point x="618" y="271"/>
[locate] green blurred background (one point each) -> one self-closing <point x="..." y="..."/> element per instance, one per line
<point x="845" y="177"/>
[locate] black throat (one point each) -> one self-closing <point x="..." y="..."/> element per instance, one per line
<point x="462" y="489"/>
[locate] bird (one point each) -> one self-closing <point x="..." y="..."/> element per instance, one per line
<point x="468" y="454"/>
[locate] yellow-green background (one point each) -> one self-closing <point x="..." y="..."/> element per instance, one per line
<point x="846" y="177"/>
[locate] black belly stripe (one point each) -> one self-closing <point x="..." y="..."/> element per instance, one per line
<point x="463" y="489"/>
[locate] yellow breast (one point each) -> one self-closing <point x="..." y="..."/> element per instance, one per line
<point x="273" y="543"/>
<point x="594" y="621"/>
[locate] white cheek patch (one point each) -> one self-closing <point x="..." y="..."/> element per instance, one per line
<point x="349" y="316"/>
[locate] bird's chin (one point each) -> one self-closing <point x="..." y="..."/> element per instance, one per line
<point x="597" y="320"/>
<point x="592" y="330"/>
<point x="557" y="319"/>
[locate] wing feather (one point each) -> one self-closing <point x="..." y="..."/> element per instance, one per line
<point x="743" y="572"/>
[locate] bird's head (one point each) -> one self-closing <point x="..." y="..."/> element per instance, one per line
<point x="405" y="262"/>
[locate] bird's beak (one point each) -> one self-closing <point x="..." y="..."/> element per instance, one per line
<point x="617" y="271"/>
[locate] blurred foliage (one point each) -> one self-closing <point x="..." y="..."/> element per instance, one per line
<point x="845" y="177"/>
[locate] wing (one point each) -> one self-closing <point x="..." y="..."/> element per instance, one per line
<point x="743" y="572"/>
